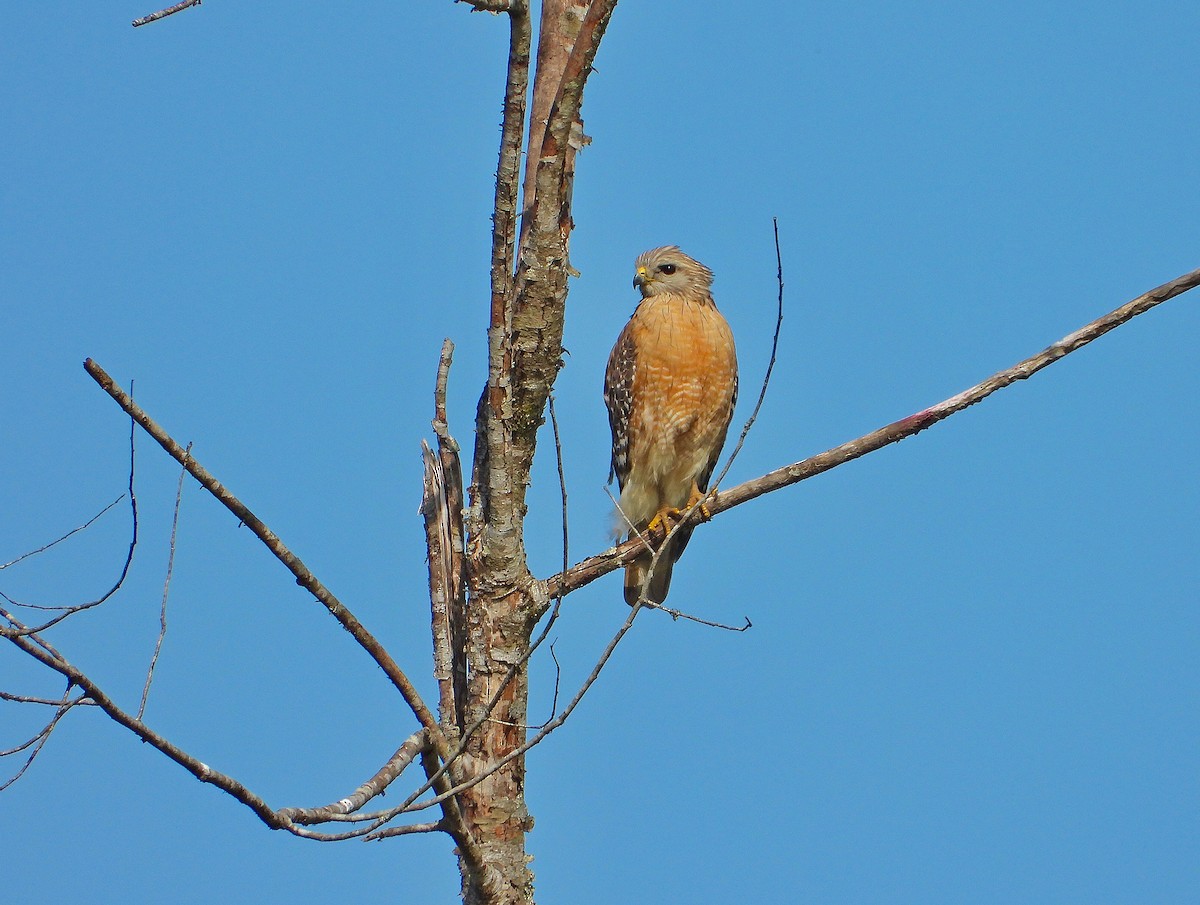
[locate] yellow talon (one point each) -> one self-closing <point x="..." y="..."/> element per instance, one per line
<point x="701" y="498"/>
<point x="660" y="525"/>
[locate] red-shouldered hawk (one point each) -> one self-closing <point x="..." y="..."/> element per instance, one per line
<point x="670" y="389"/>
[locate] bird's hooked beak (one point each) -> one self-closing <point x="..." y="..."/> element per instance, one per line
<point x="641" y="278"/>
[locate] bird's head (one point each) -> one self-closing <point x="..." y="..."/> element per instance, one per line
<point x="667" y="269"/>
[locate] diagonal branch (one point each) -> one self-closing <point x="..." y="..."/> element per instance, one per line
<point x="593" y="567"/>
<point x="41" y="651"/>
<point x="303" y="576"/>
<point x="163" y="13"/>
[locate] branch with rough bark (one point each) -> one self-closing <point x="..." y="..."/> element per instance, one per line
<point x="163" y="13"/>
<point x="594" y="567"/>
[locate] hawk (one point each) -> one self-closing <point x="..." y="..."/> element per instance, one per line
<point x="670" y="388"/>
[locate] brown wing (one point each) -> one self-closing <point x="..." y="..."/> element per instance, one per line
<point x="706" y="475"/>
<point x="618" y="397"/>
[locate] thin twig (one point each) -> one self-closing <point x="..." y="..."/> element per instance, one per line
<point x="557" y="677"/>
<point x="433" y="827"/>
<point x="162" y="614"/>
<point x="38" y="741"/>
<point x="679" y="614"/>
<point x="31" y="699"/>
<point x="562" y="485"/>
<point x="454" y="823"/>
<point x="762" y="393"/>
<point x="163" y="13"/>
<point x="45" y="547"/>
<point x="303" y="576"/>
<point x="593" y="567"/>
<point x="67" y="611"/>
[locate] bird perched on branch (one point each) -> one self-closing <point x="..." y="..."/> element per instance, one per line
<point x="670" y="388"/>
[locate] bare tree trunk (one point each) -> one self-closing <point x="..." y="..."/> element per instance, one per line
<point x="525" y="354"/>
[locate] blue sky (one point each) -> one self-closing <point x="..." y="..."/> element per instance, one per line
<point x="973" y="672"/>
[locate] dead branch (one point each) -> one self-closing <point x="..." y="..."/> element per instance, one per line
<point x="449" y="633"/>
<point x="593" y="567"/>
<point x="396" y="764"/>
<point x="303" y="576"/>
<point x="438" y="544"/>
<point x="163" y="13"/>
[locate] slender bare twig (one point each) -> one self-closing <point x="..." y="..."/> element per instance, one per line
<point x="593" y="567"/>
<point x="406" y="830"/>
<point x="562" y="487"/>
<point x="680" y="614"/>
<point x="38" y="741"/>
<point x="163" y="13"/>
<point x="303" y="576"/>
<point x="45" y="547"/>
<point x="67" y="611"/>
<point x="31" y="699"/>
<point x="162" y="613"/>
<point x="557" y="677"/>
<point x="58" y="703"/>
<point x="762" y="393"/>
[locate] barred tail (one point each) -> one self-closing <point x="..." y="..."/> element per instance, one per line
<point x="660" y="581"/>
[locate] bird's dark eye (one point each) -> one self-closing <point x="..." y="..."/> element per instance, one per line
<point x="668" y="269"/>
